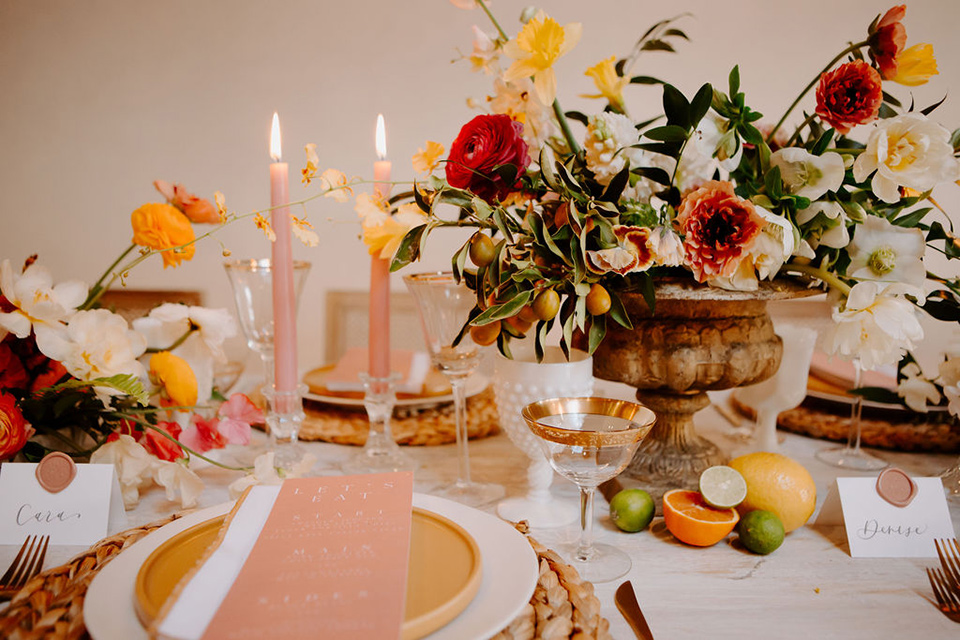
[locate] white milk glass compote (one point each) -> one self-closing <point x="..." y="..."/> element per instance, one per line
<point x="445" y="305"/>
<point x="589" y="441"/>
<point x="252" y="282"/>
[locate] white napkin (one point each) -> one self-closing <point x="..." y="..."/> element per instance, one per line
<point x="200" y="598"/>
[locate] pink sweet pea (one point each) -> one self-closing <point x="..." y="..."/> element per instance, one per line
<point x="197" y="209"/>
<point x="236" y="415"/>
<point x="203" y="435"/>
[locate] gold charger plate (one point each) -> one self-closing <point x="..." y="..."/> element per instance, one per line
<point x="443" y="577"/>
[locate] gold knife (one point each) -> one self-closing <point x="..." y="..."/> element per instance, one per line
<point x="627" y="604"/>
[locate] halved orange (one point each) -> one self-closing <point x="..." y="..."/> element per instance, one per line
<point x="693" y="521"/>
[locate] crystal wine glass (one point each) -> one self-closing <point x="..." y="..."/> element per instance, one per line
<point x="589" y="441"/>
<point x="252" y="283"/>
<point x="851" y="456"/>
<point x="785" y="390"/>
<point x="444" y="305"/>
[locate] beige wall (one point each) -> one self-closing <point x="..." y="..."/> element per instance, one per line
<point x="101" y="97"/>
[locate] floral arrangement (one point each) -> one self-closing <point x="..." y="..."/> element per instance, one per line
<point x="706" y="190"/>
<point x="77" y="378"/>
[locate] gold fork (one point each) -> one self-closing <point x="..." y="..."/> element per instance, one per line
<point x="28" y="563"/>
<point x="949" y="554"/>
<point x="948" y="600"/>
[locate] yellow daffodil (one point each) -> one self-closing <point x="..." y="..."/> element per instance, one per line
<point x="916" y="65"/>
<point x="383" y="232"/>
<point x="426" y="160"/>
<point x="264" y="225"/>
<point x="176" y="378"/>
<point x="536" y="48"/>
<point x="303" y="230"/>
<point x="608" y="83"/>
<point x="334" y="183"/>
<point x="313" y="163"/>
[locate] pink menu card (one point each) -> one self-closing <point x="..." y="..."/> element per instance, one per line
<point x="330" y="562"/>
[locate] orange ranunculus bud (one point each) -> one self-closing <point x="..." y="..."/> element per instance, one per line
<point x="175" y="376"/>
<point x="14" y="430"/>
<point x="162" y="227"/>
<point x="887" y="39"/>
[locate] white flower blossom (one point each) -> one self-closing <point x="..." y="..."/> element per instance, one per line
<point x="807" y="175"/>
<point x="876" y="325"/>
<point x="133" y="464"/>
<point x="916" y="390"/>
<point x="484" y="57"/>
<point x="909" y="151"/>
<point x="36" y="300"/>
<point x="667" y="247"/>
<point x="179" y="481"/>
<point x="714" y="140"/>
<point x="829" y="226"/>
<point x="516" y="99"/>
<point x="609" y="138"/>
<point x="265" y="472"/>
<point x="885" y="252"/>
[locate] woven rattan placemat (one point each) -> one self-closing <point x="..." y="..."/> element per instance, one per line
<point x="51" y="605"/>
<point x="894" y="429"/>
<point x="428" y="426"/>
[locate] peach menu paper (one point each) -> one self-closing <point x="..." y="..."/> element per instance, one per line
<point x="330" y="562"/>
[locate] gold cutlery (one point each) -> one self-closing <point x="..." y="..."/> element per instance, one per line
<point x="27" y="564"/>
<point x="948" y="600"/>
<point x="949" y="552"/>
<point x="628" y="606"/>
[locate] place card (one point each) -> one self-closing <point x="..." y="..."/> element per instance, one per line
<point x="877" y="528"/>
<point x="81" y="513"/>
<point x="318" y="557"/>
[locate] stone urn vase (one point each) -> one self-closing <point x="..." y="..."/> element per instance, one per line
<point x="697" y="339"/>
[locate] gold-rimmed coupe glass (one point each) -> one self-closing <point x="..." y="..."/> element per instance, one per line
<point x="589" y="441"/>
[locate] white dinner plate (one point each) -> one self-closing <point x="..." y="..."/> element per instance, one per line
<point x="475" y="384"/>
<point x="510" y="573"/>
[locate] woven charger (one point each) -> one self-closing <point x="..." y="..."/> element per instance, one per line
<point x="51" y="604"/>
<point x="428" y="426"/>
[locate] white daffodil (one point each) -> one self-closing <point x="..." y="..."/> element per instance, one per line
<point x="906" y="151"/>
<point x="875" y="324"/>
<point x="885" y="252"/>
<point x="769" y="250"/>
<point x="807" y="175"/>
<point x="826" y="224"/>
<point x="714" y="140"/>
<point x="133" y="464"/>
<point x="169" y="323"/>
<point x="35" y="298"/>
<point x="94" y="344"/>
<point x="608" y="145"/>
<point x="916" y="390"/>
<point x="179" y="481"/>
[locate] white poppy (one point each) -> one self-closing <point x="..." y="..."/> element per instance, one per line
<point x="807" y="175"/>
<point x="830" y="230"/>
<point x="907" y="150"/>
<point x="887" y="253"/>
<point x="916" y="390"/>
<point x="35" y="298"/>
<point x="714" y="140"/>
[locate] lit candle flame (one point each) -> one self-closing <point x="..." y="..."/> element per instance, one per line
<point x="381" y="138"/>
<point x="275" y="138"/>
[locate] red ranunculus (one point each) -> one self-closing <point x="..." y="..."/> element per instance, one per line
<point x="718" y="226"/>
<point x="14" y="430"/>
<point x="12" y="373"/>
<point x="485" y="144"/>
<point x="162" y="447"/>
<point x="849" y="95"/>
<point x="887" y="39"/>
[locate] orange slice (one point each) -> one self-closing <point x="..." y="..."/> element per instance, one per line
<point x="693" y="521"/>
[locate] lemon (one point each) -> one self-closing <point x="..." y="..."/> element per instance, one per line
<point x="722" y="487"/>
<point x="761" y="531"/>
<point x="779" y="484"/>
<point x="632" y="510"/>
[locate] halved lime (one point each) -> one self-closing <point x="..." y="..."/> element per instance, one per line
<point x="722" y="487"/>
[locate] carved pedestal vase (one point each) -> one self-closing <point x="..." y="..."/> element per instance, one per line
<point x="698" y="339"/>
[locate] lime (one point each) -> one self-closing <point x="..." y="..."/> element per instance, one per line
<point x="632" y="510"/>
<point x="722" y="487"/>
<point x="761" y="531"/>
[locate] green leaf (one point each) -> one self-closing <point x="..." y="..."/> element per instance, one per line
<point x="774" y="184"/>
<point x="657" y="45"/>
<point x="677" y="33"/>
<point x="502" y="225"/>
<point x="734" y="80"/>
<point x="751" y="134"/>
<point x="618" y="312"/>
<point x="509" y="308"/>
<point x="891" y="100"/>
<point x="671" y="149"/>
<point x="932" y="107"/>
<point x="656" y="174"/>
<point x="878" y="394"/>
<point x="481" y="209"/>
<point x="547" y="166"/>
<point x="420" y="200"/>
<point x="913" y="218"/>
<point x="617" y="184"/>
<point x="409" y="249"/>
<point x="579" y="117"/>
<point x="667" y="133"/>
<point x="459" y="260"/>
<point x="701" y="104"/>
<point x="646" y="80"/>
<point x="648" y="291"/>
<point x="124" y="383"/>
<point x="598" y="329"/>
<point x="823" y="142"/>
<point x="676" y="107"/>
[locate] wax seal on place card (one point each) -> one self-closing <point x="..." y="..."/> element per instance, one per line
<point x="896" y="487"/>
<point x="56" y="471"/>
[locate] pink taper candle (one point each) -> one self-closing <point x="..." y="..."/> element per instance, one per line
<point x="284" y="297"/>
<point x="379" y="338"/>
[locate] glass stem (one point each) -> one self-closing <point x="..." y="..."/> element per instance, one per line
<point x="459" y="387"/>
<point x="853" y="435"/>
<point x="266" y="356"/>
<point x="585" y="548"/>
